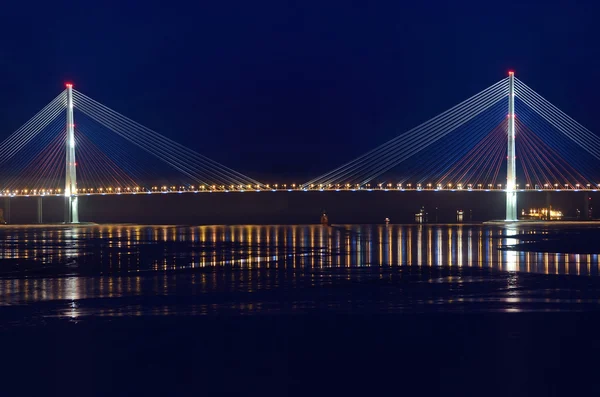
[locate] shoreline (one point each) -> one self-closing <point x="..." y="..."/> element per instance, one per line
<point x="334" y="225"/>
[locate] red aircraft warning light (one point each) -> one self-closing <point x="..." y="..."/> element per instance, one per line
<point x="69" y="85"/>
<point x="511" y="72"/>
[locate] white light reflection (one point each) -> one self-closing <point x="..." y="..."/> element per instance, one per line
<point x="511" y="257"/>
<point x="439" y="248"/>
<point x="420" y="245"/>
<point x="72" y="292"/>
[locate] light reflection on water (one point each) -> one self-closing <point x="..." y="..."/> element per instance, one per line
<point x="129" y="248"/>
<point x="133" y="270"/>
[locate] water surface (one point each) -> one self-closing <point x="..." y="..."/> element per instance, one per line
<point x="131" y="270"/>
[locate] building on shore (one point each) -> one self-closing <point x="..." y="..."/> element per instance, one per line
<point x="541" y="214"/>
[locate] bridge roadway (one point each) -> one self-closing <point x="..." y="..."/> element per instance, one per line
<point x="267" y="188"/>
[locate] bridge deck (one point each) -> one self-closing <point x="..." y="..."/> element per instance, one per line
<point x="117" y="192"/>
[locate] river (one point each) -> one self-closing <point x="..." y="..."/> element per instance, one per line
<point x="288" y="310"/>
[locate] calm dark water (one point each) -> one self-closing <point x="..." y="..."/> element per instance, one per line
<point x="163" y="270"/>
<point x="293" y="310"/>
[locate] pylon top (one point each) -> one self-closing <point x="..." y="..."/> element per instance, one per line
<point x="69" y="85"/>
<point x="511" y="72"/>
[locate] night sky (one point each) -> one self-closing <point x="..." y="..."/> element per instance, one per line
<point x="290" y="89"/>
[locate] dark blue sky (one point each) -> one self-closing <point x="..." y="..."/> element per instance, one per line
<point x="293" y="88"/>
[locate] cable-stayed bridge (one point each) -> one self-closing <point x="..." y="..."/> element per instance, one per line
<point x="506" y="138"/>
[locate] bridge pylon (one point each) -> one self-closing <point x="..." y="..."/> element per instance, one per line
<point x="71" y="204"/>
<point x="511" y="174"/>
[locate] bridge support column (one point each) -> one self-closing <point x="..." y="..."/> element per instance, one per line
<point x="511" y="174"/>
<point x="72" y="208"/>
<point x="548" y="204"/>
<point x="39" y="210"/>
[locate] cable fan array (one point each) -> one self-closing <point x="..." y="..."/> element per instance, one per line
<point x="114" y="153"/>
<point x="549" y="144"/>
<point x="193" y="165"/>
<point x="470" y="115"/>
<point x="28" y="157"/>
<point x="466" y="146"/>
<point x="470" y="156"/>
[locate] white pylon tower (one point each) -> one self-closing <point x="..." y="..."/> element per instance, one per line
<point x="72" y="209"/>
<point x="511" y="172"/>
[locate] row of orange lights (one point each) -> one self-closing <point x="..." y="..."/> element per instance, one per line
<point x="450" y="186"/>
<point x="294" y="186"/>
